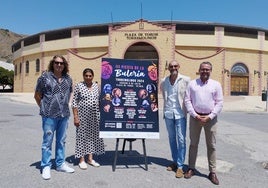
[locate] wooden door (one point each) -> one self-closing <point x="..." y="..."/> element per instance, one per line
<point x="239" y="85"/>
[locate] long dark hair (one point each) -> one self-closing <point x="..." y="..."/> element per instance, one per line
<point x="66" y="64"/>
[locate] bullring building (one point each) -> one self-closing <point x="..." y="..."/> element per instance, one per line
<point x="239" y="54"/>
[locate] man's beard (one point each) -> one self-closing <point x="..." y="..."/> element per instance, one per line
<point x="174" y="73"/>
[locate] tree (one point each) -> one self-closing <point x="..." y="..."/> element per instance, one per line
<point x="6" y="78"/>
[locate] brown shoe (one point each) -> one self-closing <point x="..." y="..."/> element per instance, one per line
<point x="189" y="173"/>
<point x="213" y="178"/>
<point x="172" y="167"/>
<point x="179" y="173"/>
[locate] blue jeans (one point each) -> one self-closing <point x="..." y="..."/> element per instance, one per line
<point x="50" y="126"/>
<point x="176" y="129"/>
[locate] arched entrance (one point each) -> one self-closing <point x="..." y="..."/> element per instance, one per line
<point x="239" y="79"/>
<point x="142" y="51"/>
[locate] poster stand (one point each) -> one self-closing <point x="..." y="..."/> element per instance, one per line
<point x="130" y="140"/>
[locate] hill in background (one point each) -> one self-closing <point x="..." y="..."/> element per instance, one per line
<point x="7" y="39"/>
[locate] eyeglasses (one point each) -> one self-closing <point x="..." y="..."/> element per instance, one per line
<point x="57" y="63"/>
<point x="171" y="66"/>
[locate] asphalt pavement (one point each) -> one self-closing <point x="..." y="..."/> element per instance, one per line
<point x="242" y="151"/>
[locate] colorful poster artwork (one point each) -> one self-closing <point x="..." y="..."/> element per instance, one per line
<point x="129" y="101"/>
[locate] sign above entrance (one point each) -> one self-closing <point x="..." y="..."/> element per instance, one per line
<point x="141" y="35"/>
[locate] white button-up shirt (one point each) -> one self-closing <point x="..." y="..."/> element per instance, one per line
<point x="173" y="96"/>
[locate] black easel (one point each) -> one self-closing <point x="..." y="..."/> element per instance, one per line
<point x="130" y="140"/>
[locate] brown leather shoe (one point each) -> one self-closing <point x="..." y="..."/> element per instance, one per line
<point x="179" y="173"/>
<point x="189" y="173"/>
<point x="213" y="178"/>
<point x="172" y="167"/>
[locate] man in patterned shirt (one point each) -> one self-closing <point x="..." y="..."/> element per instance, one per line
<point x="52" y="95"/>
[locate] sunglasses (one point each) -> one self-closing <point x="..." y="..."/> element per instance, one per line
<point x="57" y="63"/>
<point x="171" y="66"/>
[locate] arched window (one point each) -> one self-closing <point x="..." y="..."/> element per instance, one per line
<point x="16" y="70"/>
<point x="239" y="68"/>
<point x="27" y="67"/>
<point x="37" y="65"/>
<point x="20" y="67"/>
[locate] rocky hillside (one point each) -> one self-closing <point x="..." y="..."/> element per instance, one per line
<point x="7" y="39"/>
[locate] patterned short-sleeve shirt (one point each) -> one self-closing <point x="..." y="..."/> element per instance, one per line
<point x="55" y="95"/>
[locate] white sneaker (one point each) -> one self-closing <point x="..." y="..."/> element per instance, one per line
<point x="94" y="163"/>
<point x="65" y="168"/>
<point x="83" y="165"/>
<point x="46" y="173"/>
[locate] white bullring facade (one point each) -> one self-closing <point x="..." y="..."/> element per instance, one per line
<point x="239" y="54"/>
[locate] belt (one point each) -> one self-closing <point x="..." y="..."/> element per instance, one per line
<point x="202" y="114"/>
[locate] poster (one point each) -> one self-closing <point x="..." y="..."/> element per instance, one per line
<point x="128" y="99"/>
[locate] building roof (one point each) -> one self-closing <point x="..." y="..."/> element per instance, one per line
<point x="103" y="29"/>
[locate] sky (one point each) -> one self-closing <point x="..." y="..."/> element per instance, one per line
<point x="33" y="16"/>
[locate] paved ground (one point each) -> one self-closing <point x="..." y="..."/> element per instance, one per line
<point x="241" y="144"/>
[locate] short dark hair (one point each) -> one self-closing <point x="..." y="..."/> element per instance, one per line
<point x="205" y="63"/>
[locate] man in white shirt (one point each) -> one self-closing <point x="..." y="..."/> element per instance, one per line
<point x="173" y="90"/>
